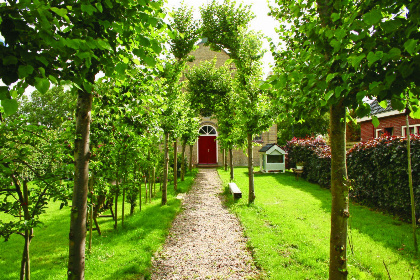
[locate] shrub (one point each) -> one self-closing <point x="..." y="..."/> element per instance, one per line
<point x="378" y="169"/>
<point x="316" y="155"/>
<point x="380" y="172"/>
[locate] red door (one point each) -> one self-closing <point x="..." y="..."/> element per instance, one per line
<point x="207" y="150"/>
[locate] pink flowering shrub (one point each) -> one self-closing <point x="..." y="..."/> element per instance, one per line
<point x="316" y="156"/>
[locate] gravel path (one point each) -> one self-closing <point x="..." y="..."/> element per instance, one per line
<point x="205" y="241"/>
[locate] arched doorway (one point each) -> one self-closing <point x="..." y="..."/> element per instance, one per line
<point x="207" y="148"/>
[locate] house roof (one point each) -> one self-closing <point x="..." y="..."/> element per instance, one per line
<point x="375" y="108"/>
<point x="378" y="111"/>
<point x="266" y="148"/>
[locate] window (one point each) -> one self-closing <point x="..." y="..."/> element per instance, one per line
<point x="414" y="129"/>
<point x="257" y="138"/>
<point x="389" y="131"/>
<point x="207" y="130"/>
<point x="379" y="133"/>
<point x="275" y="158"/>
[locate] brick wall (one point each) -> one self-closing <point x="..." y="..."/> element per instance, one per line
<point x="368" y="131"/>
<point x="203" y="53"/>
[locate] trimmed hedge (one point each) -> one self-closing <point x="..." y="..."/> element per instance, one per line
<point x="378" y="169"/>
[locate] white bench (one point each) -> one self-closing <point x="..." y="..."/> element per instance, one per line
<point x="235" y="191"/>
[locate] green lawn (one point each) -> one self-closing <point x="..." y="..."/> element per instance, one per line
<point x="122" y="254"/>
<point x="288" y="228"/>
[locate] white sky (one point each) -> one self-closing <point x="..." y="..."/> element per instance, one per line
<point x="262" y="21"/>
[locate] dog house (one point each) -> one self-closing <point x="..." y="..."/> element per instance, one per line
<point x="272" y="158"/>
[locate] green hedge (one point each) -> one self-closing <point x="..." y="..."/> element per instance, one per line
<point x="378" y="168"/>
<point x="380" y="172"/>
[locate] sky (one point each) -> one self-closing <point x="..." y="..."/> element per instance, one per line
<point x="262" y="21"/>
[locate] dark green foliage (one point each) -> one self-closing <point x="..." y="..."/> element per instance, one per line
<point x="379" y="170"/>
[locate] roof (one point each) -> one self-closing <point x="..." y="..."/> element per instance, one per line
<point x="375" y="108"/>
<point x="378" y="111"/>
<point x="266" y="148"/>
<point x="203" y="41"/>
<point x="269" y="148"/>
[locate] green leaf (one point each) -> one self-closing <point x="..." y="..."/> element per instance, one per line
<point x="42" y="85"/>
<point x="375" y="121"/>
<point x="355" y="60"/>
<point x="25" y="71"/>
<point x="373" y="57"/>
<point x="150" y="61"/>
<point x="265" y="86"/>
<point x="89" y="9"/>
<point x="61" y="12"/>
<point x="104" y="45"/>
<point x="373" y="17"/>
<point x="331" y="76"/>
<point x="99" y="7"/>
<point x="415" y="112"/>
<point x="4" y="91"/>
<point x="120" y="68"/>
<point x="10" y="106"/>
<point x="335" y="16"/>
<point x="411" y="46"/>
<point x="397" y="104"/>
<point x="394" y="53"/>
<point x="383" y="104"/>
<point x="10" y="60"/>
<point x="42" y="59"/>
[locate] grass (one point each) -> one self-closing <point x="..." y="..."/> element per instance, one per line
<point x="124" y="253"/>
<point x="288" y="230"/>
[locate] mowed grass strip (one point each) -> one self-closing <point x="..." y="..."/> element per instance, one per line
<point x="288" y="228"/>
<point x="124" y="253"/>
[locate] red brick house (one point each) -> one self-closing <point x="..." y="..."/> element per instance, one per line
<point x="391" y="121"/>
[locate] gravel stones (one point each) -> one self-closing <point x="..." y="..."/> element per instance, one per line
<point x="205" y="241"/>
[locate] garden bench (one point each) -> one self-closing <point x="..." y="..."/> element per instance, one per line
<point x="297" y="173"/>
<point x="235" y="191"/>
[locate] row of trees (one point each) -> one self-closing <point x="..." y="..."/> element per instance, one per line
<point x="333" y="54"/>
<point x="109" y="129"/>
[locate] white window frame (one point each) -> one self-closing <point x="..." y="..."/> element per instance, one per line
<point x="377" y="132"/>
<point x="415" y="126"/>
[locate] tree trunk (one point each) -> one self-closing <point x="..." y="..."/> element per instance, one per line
<point x="117" y="192"/>
<point x="339" y="193"/>
<point x="410" y="185"/>
<point x="140" y="186"/>
<point x="123" y="206"/>
<point x="146" y="195"/>
<point x="190" y="163"/>
<point x="225" y="164"/>
<point x="165" y="170"/>
<point x="231" y="164"/>
<point x="251" y="194"/>
<point x="90" y="186"/>
<point x="176" y="165"/>
<point x="77" y="235"/>
<point x="183" y="161"/>
<point x="25" y="271"/>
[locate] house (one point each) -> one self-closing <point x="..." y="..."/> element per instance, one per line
<point x="392" y="122"/>
<point x="206" y="150"/>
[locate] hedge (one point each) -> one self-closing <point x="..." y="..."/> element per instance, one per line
<point x="378" y="169"/>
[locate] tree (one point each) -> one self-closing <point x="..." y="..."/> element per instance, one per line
<point x="31" y="173"/>
<point x="50" y="109"/>
<point x="335" y="54"/>
<point x="185" y="34"/>
<point x="226" y="26"/>
<point x="50" y="41"/>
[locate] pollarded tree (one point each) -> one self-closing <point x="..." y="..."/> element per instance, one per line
<point x="335" y="53"/>
<point x="185" y="33"/>
<point x="52" y="41"/>
<point x="226" y="27"/>
<point x="210" y="93"/>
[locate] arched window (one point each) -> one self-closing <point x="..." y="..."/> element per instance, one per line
<point x="207" y="130"/>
